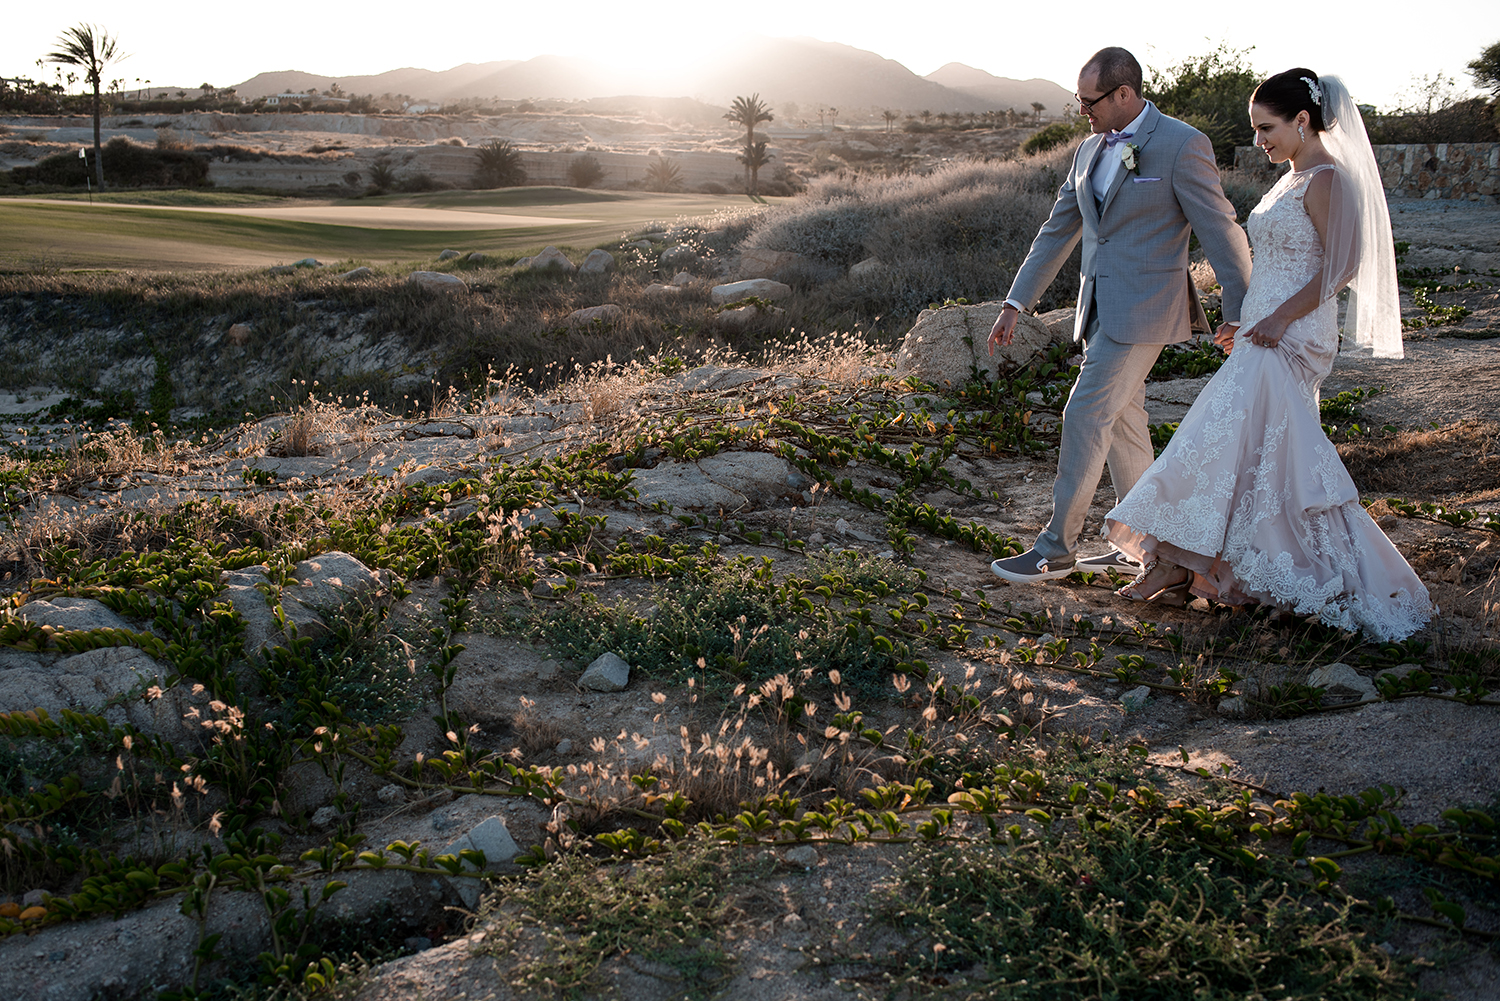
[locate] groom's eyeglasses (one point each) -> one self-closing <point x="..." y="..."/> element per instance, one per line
<point x="1086" y="104"/>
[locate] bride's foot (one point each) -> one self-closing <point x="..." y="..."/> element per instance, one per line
<point x="1159" y="581"/>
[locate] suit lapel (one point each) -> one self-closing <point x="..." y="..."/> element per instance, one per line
<point x="1140" y="139"/>
<point x="1086" y="203"/>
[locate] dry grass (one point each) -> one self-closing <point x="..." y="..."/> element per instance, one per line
<point x="1457" y="465"/>
<point x="534" y="734"/>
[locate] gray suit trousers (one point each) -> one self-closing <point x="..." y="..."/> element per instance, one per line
<point x="1104" y="421"/>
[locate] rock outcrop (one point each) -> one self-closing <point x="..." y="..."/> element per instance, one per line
<point x="947" y="344"/>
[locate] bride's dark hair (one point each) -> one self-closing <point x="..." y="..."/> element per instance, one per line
<point x="1287" y="93"/>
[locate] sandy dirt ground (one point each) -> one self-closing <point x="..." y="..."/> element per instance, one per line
<point x="793" y="923"/>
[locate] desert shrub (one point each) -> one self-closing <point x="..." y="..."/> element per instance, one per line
<point x="499" y="165"/>
<point x="1245" y="190"/>
<point x="1054" y="135"/>
<point x="169" y="138"/>
<point x="663" y="174"/>
<point x="420" y="181"/>
<point x="585" y="171"/>
<point x="1210" y="93"/>
<point x="126" y="165"/>
<point x="1459" y="121"/>
<point x="961" y="231"/>
<point x="713" y="188"/>
<point x="382" y="175"/>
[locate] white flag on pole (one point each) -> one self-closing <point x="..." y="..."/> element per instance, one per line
<point x="83" y="153"/>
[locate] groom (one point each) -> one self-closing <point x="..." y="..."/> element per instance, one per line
<point x="1139" y="187"/>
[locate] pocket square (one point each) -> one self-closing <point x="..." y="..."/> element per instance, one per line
<point x="1143" y="180"/>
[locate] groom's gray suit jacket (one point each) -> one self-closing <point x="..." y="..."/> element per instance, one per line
<point x="1135" y="246"/>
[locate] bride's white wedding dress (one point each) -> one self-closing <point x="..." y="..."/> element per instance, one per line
<point x="1250" y="494"/>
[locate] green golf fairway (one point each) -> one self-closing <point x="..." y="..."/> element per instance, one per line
<point x="209" y="231"/>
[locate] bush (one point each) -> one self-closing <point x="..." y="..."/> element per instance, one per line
<point x="1245" y="191"/>
<point x="1456" y="121"/>
<point x="713" y="188"/>
<point x="126" y="165"/>
<point x="663" y="174"/>
<point x="1210" y="93"/>
<point x="961" y="231"/>
<point x="1054" y="135"/>
<point x="382" y="175"/>
<point x="420" y="181"/>
<point x="585" y="171"/>
<point x="499" y="166"/>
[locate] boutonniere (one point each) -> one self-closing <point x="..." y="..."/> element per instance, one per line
<point x="1130" y="158"/>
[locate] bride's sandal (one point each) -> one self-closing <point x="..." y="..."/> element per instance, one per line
<point x="1174" y="594"/>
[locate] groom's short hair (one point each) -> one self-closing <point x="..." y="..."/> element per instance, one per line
<point x="1116" y="67"/>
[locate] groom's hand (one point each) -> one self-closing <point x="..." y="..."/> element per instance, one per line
<point x="1224" y="336"/>
<point x="1004" y="330"/>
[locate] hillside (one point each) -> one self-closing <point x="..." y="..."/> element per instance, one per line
<point x="418" y="83"/>
<point x="999" y="91"/>
<point x="803" y="72"/>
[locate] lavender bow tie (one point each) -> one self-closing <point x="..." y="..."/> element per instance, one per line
<point x="1112" y="139"/>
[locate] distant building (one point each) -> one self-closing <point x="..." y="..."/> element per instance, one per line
<point x="276" y="99"/>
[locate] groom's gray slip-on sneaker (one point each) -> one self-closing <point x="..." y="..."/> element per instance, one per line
<point x="1112" y="560"/>
<point x="1029" y="568"/>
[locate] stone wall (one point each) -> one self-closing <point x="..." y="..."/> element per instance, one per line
<point x="1459" y="171"/>
<point x="1464" y="171"/>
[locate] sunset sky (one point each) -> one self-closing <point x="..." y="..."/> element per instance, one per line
<point x="226" y="45"/>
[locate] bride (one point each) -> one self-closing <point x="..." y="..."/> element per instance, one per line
<point x="1249" y="501"/>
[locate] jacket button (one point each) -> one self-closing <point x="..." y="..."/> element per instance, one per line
<point x="1103" y="242"/>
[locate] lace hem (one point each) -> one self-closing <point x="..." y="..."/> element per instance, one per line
<point x="1349" y="575"/>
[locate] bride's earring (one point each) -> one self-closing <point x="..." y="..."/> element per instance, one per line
<point x="1302" y="135"/>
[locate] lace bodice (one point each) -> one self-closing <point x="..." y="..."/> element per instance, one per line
<point x="1289" y="254"/>
<point x="1281" y="232"/>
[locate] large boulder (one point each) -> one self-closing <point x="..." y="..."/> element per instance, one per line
<point x="328" y="582"/>
<point x="597" y="263"/>
<point x="677" y="256"/>
<point x="760" y="288"/>
<point x="437" y="281"/>
<point x="946" y="344"/>
<point x="729" y="481"/>
<point x="550" y="259"/>
<point x="758" y="262"/>
<point x="737" y="321"/>
<point x="605" y="316"/>
<point x="319" y="585"/>
<point x="64" y="612"/>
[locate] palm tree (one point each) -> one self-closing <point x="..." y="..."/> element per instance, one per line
<point x="889" y="116"/>
<point x="750" y="112"/>
<point x="92" y="48"/>
<point x="1038" y="107"/>
<point x="754" y="157"/>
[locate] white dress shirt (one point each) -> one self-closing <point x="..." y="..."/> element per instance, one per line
<point x="1109" y="160"/>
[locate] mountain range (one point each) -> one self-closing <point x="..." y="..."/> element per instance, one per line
<point x="805" y="72"/>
